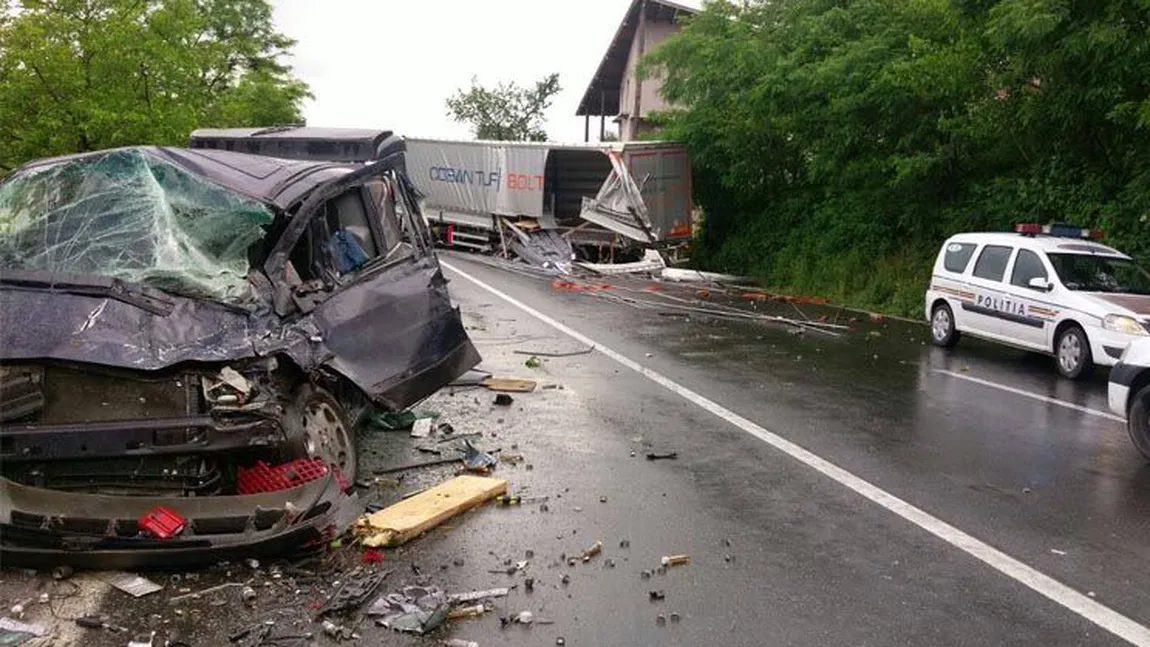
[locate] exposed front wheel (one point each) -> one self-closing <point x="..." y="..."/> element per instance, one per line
<point x="319" y="428"/>
<point x="1138" y="421"/>
<point x="1072" y="353"/>
<point x="942" y="332"/>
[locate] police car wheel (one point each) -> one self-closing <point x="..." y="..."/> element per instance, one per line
<point x="1138" y="422"/>
<point x="942" y="332"/>
<point x="1072" y="353"/>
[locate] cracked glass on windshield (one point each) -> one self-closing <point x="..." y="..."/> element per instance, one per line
<point x="131" y="216"/>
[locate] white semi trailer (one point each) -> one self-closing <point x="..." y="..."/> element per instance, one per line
<point x="483" y="194"/>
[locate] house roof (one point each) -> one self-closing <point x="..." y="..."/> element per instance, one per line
<point x="602" y="95"/>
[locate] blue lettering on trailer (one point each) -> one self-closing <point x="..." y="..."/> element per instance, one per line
<point x="453" y="175"/>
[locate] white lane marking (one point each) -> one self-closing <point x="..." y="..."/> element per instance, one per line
<point x="1103" y="616"/>
<point x="1034" y="396"/>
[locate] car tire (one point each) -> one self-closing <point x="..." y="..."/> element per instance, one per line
<point x="942" y="331"/>
<point x="318" y="427"/>
<point x="1072" y="353"/>
<point x="1138" y="421"/>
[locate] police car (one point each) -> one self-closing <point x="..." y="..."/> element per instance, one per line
<point x="1046" y="288"/>
<point x="1129" y="393"/>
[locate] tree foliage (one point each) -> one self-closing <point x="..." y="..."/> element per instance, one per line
<point x="837" y="142"/>
<point x="78" y="75"/>
<point x="507" y="112"/>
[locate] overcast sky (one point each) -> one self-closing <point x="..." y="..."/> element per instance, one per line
<point x="393" y="63"/>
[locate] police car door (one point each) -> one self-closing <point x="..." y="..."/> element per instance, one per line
<point x="986" y="282"/>
<point x="1025" y="322"/>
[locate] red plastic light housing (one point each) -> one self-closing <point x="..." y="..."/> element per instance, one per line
<point x="1028" y="228"/>
<point x="162" y="523"/>
<point x="262" y="477"/>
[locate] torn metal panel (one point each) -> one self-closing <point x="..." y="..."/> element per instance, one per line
<point x="619" y="206"/>
<point x="652" y="262"/>
<point x="544" y="248"/>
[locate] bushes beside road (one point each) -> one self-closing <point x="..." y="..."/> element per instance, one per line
<point x="837" y="143"/>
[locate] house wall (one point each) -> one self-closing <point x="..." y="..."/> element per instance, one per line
<point x="631" y="120"/>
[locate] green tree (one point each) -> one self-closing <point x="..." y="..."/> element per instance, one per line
<point x="79" y="75"/>
<point x="507" y="112"/>
<point x="837" y="143"/>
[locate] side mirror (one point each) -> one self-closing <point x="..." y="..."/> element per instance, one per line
<point x="1040" y="284"/>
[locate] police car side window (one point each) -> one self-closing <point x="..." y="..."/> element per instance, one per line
<point x="992" y="261"/>
<point x="1027" y="266"/>
<point x="958" y="257"/>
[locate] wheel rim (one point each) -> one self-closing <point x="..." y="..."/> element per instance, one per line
<point x="325" y="437"/>
<point x="940" y="325"/>
<point x="1069" y="352"/>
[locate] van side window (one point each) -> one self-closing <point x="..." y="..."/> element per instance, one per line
<point x="351" y="236"/>
<point x="384" y="197"/>
<point x="958" y="256"/>
<point x="1026" y="267"/>
<point x="992" y="261"/>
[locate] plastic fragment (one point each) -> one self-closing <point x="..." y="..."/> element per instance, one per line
<point x="676" y="560"/>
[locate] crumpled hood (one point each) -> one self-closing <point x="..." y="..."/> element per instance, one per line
<point x="43" y="324"/>
<point x="1139" y="304"/>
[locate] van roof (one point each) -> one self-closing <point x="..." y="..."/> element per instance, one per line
<point x="1040" y="242"/>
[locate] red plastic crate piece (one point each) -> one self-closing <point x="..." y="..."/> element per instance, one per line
<point x="262" y="477"/>
<point x="162" y="523"/>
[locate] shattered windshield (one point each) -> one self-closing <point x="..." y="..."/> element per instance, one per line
<point x="131" y="216"/>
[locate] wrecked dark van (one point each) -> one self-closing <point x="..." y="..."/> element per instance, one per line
<point x="189" y="340"/>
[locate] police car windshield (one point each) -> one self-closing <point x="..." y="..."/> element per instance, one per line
<point x="1091" y="273"/>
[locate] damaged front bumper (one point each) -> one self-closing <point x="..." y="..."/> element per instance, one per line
<point x="41" y="528"/>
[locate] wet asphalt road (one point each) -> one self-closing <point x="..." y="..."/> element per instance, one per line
<point x="1058" y="489"/>
<point x="780" y="554"/>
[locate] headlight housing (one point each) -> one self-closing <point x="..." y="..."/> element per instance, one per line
<point x="1123" y="324"/>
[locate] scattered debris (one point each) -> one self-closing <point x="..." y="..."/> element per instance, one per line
<point x="62" y="572"/>
<point x="402" y="420"/>
<point x="408" y="519"/>
<point x="353" y="593"/>
<point x="662" y="456"/>
<point x="524" y="618"/>
<point x="503" y="400"/>
<point x="180" y="598"/>
<point x="416" y="609"/>
<point x="660" y="619"/>
<point x="533" y="362"/>
<point x="594" y="550"/>
<point x="412" y="466"/>
<point x="675" y="617"/>
<point x="421" y="428"/>
<point x="474" y="377"/>
<point x="132" y="584"/>
<point x="543" y="353"/>
<point x="676" y="560"/>
<point x="508" y="385"/>
<point x="13" y="632"/>
<point x="248" y="595"/>
<point x="477" y="460"/>
<point x="657" y="595"/>
<point x="372" y="556"/>
<point x="162" y="523"/>
<point x="474" y="596"/>
<point x="1057" y="552"/>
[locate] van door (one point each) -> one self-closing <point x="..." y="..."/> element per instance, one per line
<point x="1022" y="322"/>
<point x="986" y="282"/>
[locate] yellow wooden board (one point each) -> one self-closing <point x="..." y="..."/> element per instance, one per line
<point x="412" y="517"/>
<point x="509" y="385"/>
